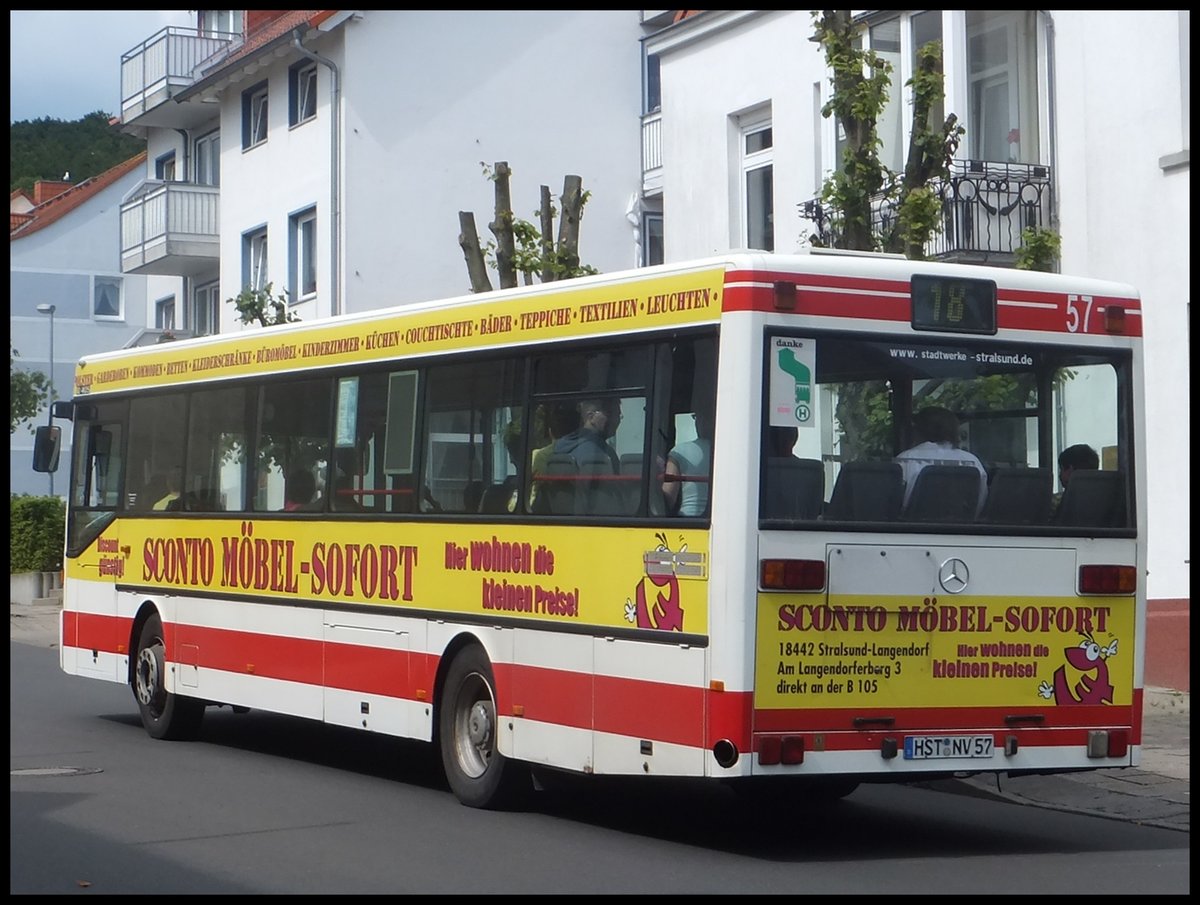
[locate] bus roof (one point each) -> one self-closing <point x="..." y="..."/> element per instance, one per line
<point x="663" y="296"/>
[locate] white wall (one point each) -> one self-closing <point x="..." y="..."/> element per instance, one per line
<point x="1119" y="110"/>
<point x="1123" y="218"/>
<point x="432" y="94"/>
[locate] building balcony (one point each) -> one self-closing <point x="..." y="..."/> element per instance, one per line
<point x="158" y="69"/>
<point x="170" y="229"/>
<point x="652" y="159"/>
<point x="985" y="207"/>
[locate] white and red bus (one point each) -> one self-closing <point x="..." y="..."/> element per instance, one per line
<point x="383" y="521"/>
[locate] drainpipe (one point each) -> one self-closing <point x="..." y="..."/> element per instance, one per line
<point x="334" y="172"/>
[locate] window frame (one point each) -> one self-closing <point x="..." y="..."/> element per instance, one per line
<point x="161" y="307"/>
<point x="302" y="93"/>
<point x="302" y="254"/>
<point x="752" y="165"/>
<point x="206" y="156"/>
<point x="119" y="283"/>
<point x="255" y="258"/>
<point x="256" y="111"/>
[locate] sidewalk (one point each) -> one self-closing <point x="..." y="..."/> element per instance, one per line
<point x="1156" y="793"/>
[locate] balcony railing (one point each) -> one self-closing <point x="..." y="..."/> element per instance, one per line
<point x="170" y="228"/>
<point x="163" y="65"/>
<point x="652" y="159"/>
<point x="985" y="207"/>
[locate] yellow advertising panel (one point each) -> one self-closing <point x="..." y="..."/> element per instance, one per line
<point x="640" y="304"/>
<point x="882" y="651"/>
<point x="619" y="578"/>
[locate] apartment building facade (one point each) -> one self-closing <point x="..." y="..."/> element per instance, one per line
<point x="1075" y="121"/>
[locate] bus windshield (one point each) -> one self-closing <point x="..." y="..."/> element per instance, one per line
<point x="928" y="434"/>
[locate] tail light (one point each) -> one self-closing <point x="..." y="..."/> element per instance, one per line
<point x="793" y="574"/>
<point x="1099" y="579"/>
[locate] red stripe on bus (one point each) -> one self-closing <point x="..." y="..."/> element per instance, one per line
<point x="636" y="708"/>
<point x="851" y="297"/>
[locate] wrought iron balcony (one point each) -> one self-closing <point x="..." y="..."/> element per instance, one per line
<point x="170" y="228"/>
<point x="985" y="207"/>
<point x="162" y="66"/>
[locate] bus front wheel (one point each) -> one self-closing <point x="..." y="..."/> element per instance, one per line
<point x="479" y="775"/>
<point x="164" y="715"/>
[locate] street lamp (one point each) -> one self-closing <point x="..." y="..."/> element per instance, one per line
<point x="45" y="308"/>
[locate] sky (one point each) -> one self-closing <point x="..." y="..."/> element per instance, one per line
<point x="66" y="64"/>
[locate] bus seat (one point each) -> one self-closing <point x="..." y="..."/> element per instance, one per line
<point x="867" y="491"/>
<point x="1018" y="496"/>
<point x="599" y="491"/>
<point x="795" y="488"/>
<point x="557" y="491"/>
<point x="496" y="497"/>
<point x="944" y="493"/>
<point x="1093" y="499"/>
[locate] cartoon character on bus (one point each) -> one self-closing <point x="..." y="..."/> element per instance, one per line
<point x="657" y="603"/>
<point x="1093" y="686"/>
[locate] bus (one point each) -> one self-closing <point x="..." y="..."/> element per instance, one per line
<point x="382" y="521"/>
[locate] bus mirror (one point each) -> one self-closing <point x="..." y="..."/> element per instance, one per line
<point x="64" y="409"/>
<point x="46" y="443"/>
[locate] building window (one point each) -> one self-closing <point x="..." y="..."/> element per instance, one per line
<point x="927" y="28"/>
<point x="889" y="126"/>
<point x="254" y="116"/>
<point x="106" y="298"/>
<point x="652" y="239"/>
<point x="164" y="168"/>
<point x="1002" y="73"/>
<point x="164" y="313"/>
<point x="208" y="159"/>
<point x="205" y="313"/>
<point x="302" y="254"/>
<point x="220" y="21"/>
<point x="302" y="93"/>
<point x="254" y="259"/>
<point x="758" y="185"/>
<point x="651" y="84"/>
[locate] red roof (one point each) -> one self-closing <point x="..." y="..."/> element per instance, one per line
<point x="21" y="225"/>
<point x="265" y="26"/>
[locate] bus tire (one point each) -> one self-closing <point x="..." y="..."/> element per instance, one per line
<point x="478" y="774"/>
<point x="164" y="715"/>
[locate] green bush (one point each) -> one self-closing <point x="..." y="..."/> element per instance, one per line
<point x="36" y="534"/>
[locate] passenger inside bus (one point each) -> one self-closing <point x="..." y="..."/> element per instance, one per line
<point x="936" y="430"/>
<point x="300" y="489"/>
<point x="1079" y="457"/>
<point x="560" y="419"/>
<point x="687" y="470"/>
<point x="588" y="445"/>
<point x="174" y="485"/>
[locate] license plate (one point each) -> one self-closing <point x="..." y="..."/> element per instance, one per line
<point x="929" y="747"/>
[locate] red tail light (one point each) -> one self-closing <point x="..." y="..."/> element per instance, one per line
<point x="1097" y="579"/>
<point x="793" y="574"/>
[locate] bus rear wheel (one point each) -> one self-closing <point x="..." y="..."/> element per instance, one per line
<point x="478" y="774"/>
<point x="164" y="715"/>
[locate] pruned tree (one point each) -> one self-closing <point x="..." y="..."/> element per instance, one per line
<point x="520" y="247"/>
<point x="263" y="307"/>
<point x="860" y="80"/>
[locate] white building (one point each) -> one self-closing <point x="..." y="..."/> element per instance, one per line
<point x="1080" y="117"/>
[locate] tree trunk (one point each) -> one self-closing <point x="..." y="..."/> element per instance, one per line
<point x="501" y="228"/>
<point x="568" y="223"/>
<point x="547" y="224"/>
<point x="468" y="238"/>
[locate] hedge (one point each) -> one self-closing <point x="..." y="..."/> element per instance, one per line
<point x="37" y="531"/>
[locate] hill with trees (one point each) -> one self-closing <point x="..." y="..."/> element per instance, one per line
<point x="47" y="148"/>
